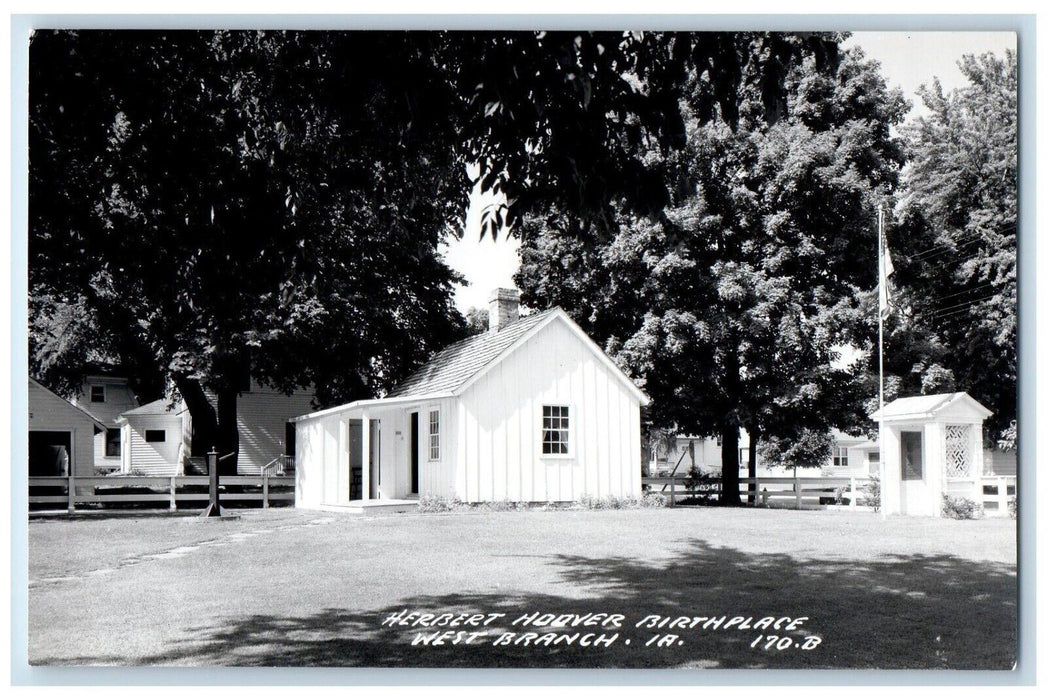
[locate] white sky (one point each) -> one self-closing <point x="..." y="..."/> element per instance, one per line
<point x="908" y="60"/>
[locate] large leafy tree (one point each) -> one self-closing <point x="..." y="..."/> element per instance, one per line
<point x="730" y="304"/>
<point x="218" y="204"/>
<point x="958" y="241"/>
<point x="565" y="118"/>
<point x="225" y="205"/>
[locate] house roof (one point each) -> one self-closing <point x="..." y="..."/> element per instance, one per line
<point x="452" y="370"/>
<point x="98" y="424"/>
<point x="456" y="364"/>
<point x="925" y="407"/>
<point x="160" y="407"/>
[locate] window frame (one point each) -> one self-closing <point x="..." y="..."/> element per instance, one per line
<point x="841" y="457"/>
<point x="162" y="431"/>
<point x="571" y="417"/>
<point x="119" y="442"/>
<point x="429" y="434"/>
<point x="906" y="474"/>
<point x="91" y="393"/>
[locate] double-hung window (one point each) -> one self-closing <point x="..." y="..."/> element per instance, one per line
<point x="556" y="430"/>
<point x="112" y="442"/>
<point x="840" y="457"/>
<point x="434" y="436"/>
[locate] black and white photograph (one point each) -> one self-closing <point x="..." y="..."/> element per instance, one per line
<point x="531" y="348"/>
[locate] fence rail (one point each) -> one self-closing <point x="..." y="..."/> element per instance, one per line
<point x="993" y="493"/>
<point x="799" y="491"/>
<point x="76" y="491"/>
<point x="996" y="493"/>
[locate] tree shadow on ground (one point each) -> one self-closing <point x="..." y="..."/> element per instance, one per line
<point x="922" y="612"/>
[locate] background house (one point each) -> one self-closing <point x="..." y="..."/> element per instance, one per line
<point x="61" y="435"/>
<point x="704" y="453"/>
<point x="156" y="438"/>
<point x="106" y="398"/>
<point x="531" y="410"/>
<point x="852" y="456"/>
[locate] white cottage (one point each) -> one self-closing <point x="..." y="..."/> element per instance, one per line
<point x="532" y="410"/>
<point x="931" y="446"/>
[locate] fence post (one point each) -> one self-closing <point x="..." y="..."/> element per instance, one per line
<point x="72" y="491"/>
<point x="265" y="488"/>
<point x="174" y="494"/>
<point x="796" y="489"/>
<point x="672" y="491"/>
<point x="756" y="490"/>
<point x="854" y="494"/>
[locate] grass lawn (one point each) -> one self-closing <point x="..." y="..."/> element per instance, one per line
<point x="298" y="588"/>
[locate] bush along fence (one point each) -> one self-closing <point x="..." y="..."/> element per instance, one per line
<point x="72" y="492"/>
<point x="997" y="493"/>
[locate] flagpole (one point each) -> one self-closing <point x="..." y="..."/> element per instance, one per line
<point x="879" y="317"/>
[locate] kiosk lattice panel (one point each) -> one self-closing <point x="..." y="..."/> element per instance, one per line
<point x="957" y="450"/>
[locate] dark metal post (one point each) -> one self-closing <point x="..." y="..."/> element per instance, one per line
<point x="214" y="508"/>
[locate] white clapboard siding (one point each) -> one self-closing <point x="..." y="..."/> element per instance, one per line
<point x="155" y="458"/>
<point x="501" y="417"/>
<point x="261" y="419"/>
<point x="1001" y="463"/>
<point x="50" y="412"/>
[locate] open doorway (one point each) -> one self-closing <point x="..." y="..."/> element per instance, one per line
<point x="50" y="452"/>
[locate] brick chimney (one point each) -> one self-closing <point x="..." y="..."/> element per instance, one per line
<point x="503" y="309"/>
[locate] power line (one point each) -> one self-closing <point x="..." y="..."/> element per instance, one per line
<point x="953" y="248"/>
<point x="960" y="242"/>
<point x="959" y="308"/>
<point x="965" y="291"/>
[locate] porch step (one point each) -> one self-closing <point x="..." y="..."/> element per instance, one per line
<point x="376" y="506"/>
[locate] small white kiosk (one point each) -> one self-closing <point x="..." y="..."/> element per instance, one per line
<point x="931" y="446"/>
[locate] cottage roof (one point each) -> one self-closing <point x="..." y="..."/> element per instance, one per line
<point x="453" y="366"/>
<point x="927" y="407"/>
<point x="452" y="370"/>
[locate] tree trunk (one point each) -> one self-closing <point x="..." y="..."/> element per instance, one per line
<point x="754" y="437"/>
<point x="202" y="413"/>
<point x="729" y="495"/>
<point x="228" y="435"/>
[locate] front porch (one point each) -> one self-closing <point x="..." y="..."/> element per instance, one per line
<point x="379" y="453"/>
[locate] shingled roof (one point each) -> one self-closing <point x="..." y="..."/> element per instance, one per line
<point x="456" y="364"/>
